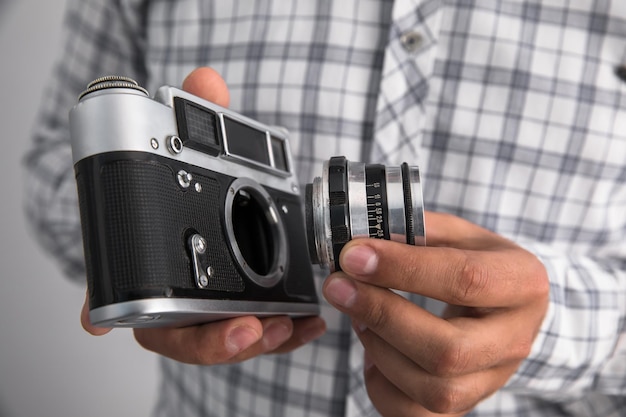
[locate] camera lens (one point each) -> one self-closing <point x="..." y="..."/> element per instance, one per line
<point x="354" y="200"/>
<point x="255" y="232"/>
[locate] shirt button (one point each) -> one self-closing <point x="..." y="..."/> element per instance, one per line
<point x="620" y="71"/>
<point x="411" y="41"/>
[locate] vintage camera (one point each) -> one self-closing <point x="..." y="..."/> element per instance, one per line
<point x="190" y="212"/>
<point x="356" y="200"/>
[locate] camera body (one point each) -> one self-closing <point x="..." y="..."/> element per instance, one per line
<point x="190" y="212"/>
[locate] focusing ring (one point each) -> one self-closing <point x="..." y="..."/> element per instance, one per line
<point x="408" y="204"/>
<point x="338" y="202"/>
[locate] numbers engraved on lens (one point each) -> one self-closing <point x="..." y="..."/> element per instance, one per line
<point x="375" y="215"/>
<point x="376" y="193"/>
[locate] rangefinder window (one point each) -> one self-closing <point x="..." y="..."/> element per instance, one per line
<point x="197" y="126"/>
<point x="278" y="152"/>
<point x="246" y="141"/>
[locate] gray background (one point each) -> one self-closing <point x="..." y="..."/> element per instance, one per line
<point x="48" y="365"/>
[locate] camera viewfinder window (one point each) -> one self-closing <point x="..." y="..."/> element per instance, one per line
<point x="197" y="126"/>
<point x="278" y="150"/>
<point x="246" y="141"/>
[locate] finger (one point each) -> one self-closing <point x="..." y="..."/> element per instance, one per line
<point x="86" y="323"/>
<point x="305" y="330"/>
<point x="503" y="278"/>
<point x="452" y="347"/>
<point x="206" y="344"/>
<point x="389" y="400"/>
<point x="206" y="83"/>
<point x="447" y="230"/>
<point x="218" y="342"/>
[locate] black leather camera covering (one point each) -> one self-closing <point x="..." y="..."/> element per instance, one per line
<point x="136" y="222"/>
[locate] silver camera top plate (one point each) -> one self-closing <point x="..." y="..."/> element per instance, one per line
<point x="244" y="147"/>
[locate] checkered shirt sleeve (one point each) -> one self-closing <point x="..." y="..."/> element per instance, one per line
<point x="97" y="39"/>
<point x="511" y="108"/>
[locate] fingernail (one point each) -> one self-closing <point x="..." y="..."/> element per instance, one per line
<point x="275" y="335"/>
<point x="241" y="338"/>
<point x="341" y="291"/>
<point x="360" y="260"/>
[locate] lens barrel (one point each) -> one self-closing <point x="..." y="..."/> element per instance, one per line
<point x="355" y="200"/>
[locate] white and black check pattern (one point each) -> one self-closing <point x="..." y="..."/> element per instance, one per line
<point x="512" y="108"/>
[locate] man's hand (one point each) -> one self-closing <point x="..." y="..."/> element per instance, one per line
<point x="416" y="363"/>
<point x="231" y="340"/>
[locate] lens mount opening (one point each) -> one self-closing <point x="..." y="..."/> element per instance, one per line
<point x="255" y="232"/>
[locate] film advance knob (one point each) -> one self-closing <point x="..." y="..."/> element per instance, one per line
<point x="112" y="81"/>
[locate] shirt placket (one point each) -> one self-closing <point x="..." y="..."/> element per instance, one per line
<point x="400" y="119"/>
<point x="405" y="82"/>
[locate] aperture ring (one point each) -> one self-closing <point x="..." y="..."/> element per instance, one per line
<point x="339" y="209"/>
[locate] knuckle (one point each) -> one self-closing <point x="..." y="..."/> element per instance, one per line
<point x="206" y="356"/>
<point x="203" y="357"/>
<point x="376" y="316"/>
<point x="533" y="282"/>
<point x="472" y="280"/>
<point x="194" y="351"/>
<point x="522" y="350"/>
<point x="540" y="281"/>
<point x="445" y="397"/>
<point x="406" y="271"/>
<point x="453" y="359"/>
<point x="195" y="354"/>
<point x="522" y="347"/>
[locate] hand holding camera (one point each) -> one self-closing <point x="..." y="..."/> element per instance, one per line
<point x="416" y="363"/>
<point x="227" y="340"/>
<point x="191" y="214"/>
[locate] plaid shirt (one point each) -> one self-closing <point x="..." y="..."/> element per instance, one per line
<point x="512" y="108"/>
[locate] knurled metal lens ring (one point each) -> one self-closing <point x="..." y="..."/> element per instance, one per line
<point x="339" y="210"/>
<point x="112" y="81"/>
<point x="408" y="203"/>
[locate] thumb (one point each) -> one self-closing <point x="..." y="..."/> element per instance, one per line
<point x="206" y="83"/>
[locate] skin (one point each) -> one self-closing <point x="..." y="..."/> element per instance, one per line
<point x="415" y="364"/>
<point x="418" y="364"/>
<point x="225" y="341"/>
